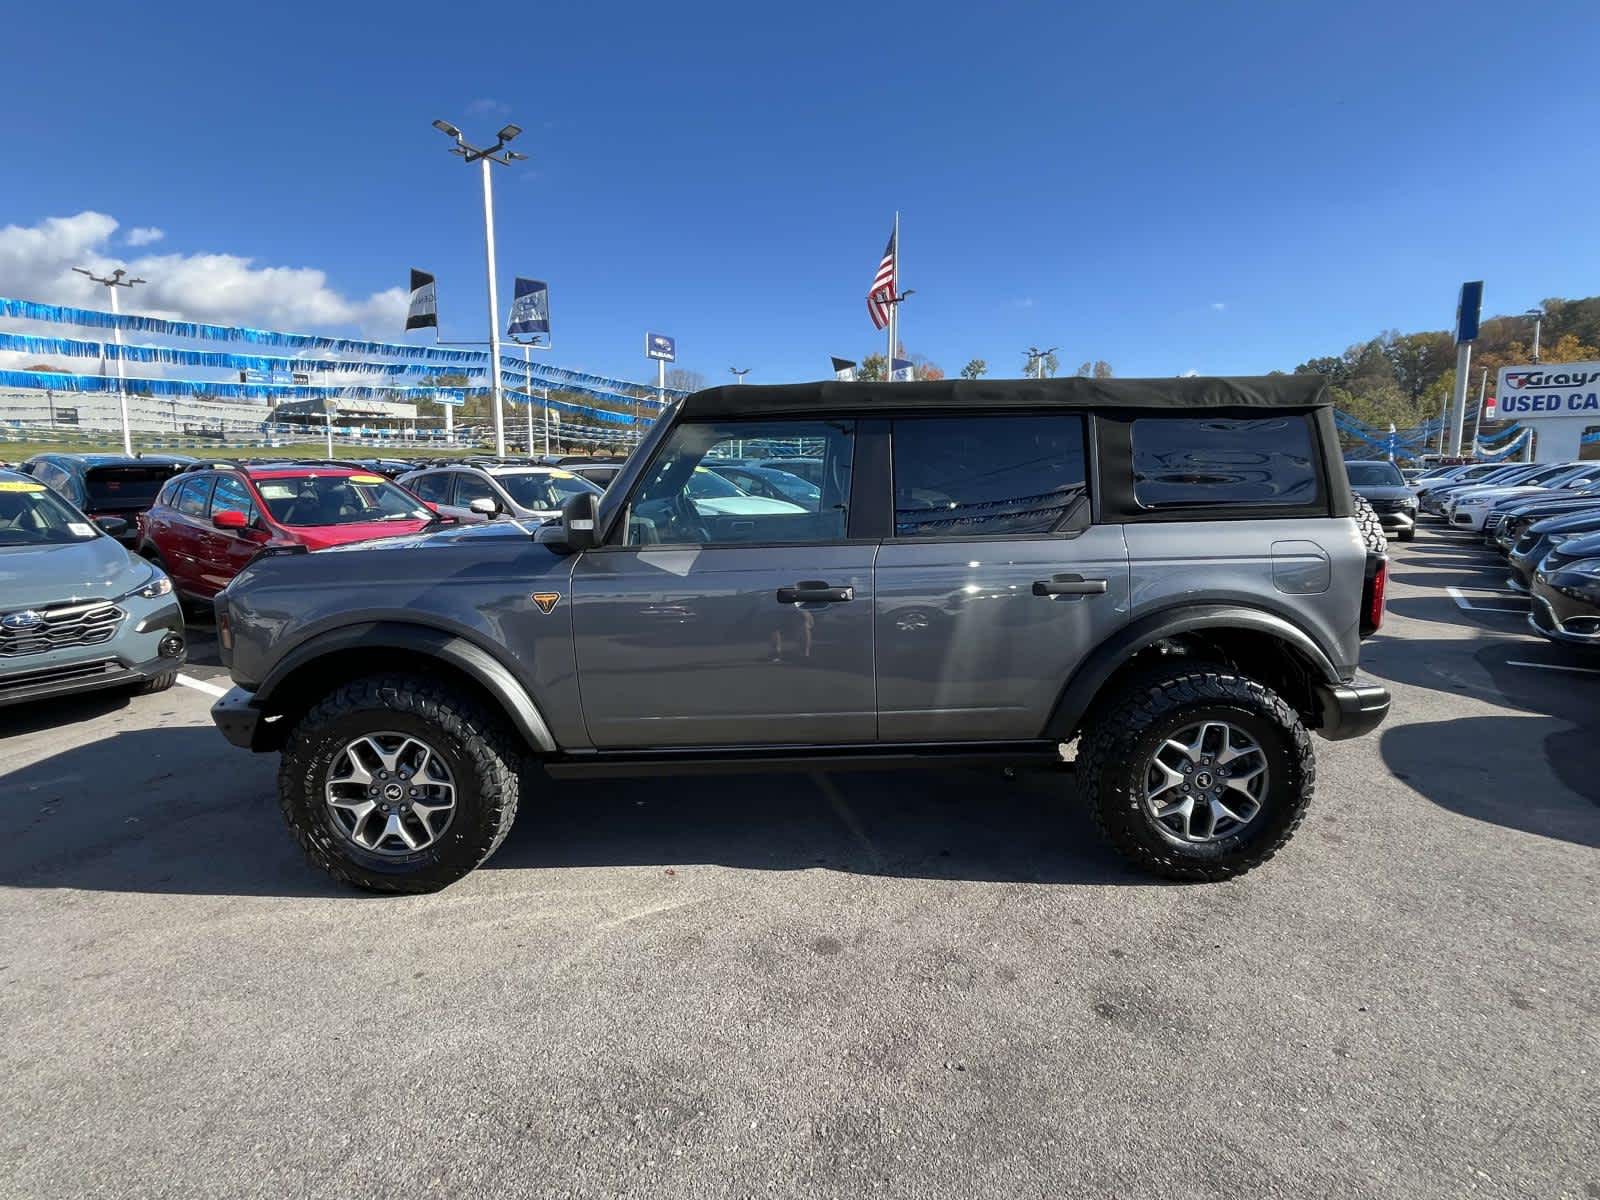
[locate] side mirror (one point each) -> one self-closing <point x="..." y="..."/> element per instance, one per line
<point x="115" y="526"/>
<point x="230" y="519"/>
<point x="578" y="523"/>
<point x="484" y="506"/>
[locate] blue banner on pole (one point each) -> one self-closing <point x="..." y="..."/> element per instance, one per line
<point x="530" y="310"/>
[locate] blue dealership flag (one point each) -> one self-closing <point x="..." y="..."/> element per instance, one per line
<point x="530" y="309"/>
<point x="902" y="372"/>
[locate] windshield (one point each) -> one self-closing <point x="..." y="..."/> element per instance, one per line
<point x="32" y="515"/>
<point x="706" y="484"/>
<point x="1374" y="475"/>
<point x="338" y="500"/>
<point x="546" y="491"/>
<point x="125" y="487"/>
<point x="793" y="487"/>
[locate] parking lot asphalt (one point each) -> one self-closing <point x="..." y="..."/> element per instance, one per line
<point x="935" y="985"/>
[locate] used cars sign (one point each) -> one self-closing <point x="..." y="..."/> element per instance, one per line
<point x="1561" y="390"/>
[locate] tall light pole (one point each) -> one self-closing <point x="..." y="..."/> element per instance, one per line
<point x="739" y="373"/>
<point x="499" y="154"/>
<point x="1036" y="358"/>
<point x="112" y="282"/>
<point x="1538" y="321"/>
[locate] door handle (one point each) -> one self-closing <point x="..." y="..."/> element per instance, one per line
<point x="1069" y="585"/>
<point x="813" y="590"/>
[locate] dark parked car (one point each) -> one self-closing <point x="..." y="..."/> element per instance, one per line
<point x="1541" y="537"/>
<point x="1519" y="513"/>
<point x="1167" y="572"/>
<point x="107" y="485"/>
<point x="1380" y="483"/>
<point x="1566" y="593"/>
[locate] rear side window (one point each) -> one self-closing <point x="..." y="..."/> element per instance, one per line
<point x="193" y="496"/>
<point x="124" y="487"/>
<point x="1219" y="461"/>
<point x="986" y="476"/>
<point x="430" y="487"/>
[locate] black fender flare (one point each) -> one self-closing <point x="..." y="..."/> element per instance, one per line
<point x="466" y="656"/>
<point x="1091" y="675"/>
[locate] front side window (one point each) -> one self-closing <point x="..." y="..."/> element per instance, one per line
<point x="231" y="495"/>
<point x="986" y="476"/>
<point x="1219" y="461"/>
<point x="470" y="487"/>
<point x="684" y="499"/>
<point x="1374" y="475"/>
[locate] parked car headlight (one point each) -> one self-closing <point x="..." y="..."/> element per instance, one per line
<point x="154" y="588"/>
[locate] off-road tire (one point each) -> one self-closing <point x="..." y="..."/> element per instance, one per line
<point x="156" y="683"/>
<point x="1116" y="748"/>
<point x="482" y="753"/>
<point x="1371" y="528"/>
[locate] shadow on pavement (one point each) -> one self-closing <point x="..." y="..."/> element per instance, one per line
<point x="177" y="810"/>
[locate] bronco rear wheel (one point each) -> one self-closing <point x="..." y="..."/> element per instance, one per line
<point x="1195" y="772"/>
<point x="396" y="783"/>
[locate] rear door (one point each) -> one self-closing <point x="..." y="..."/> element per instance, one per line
<point x="996" y="581"/>
<point x="700" y="629"/>
<point x="181" y="545"/>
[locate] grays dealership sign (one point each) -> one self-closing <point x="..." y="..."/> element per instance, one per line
<point x="1559" y="402"/>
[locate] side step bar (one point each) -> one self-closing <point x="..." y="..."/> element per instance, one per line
<point x="739" y="760"/>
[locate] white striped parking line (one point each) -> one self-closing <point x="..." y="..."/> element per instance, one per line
<point x="1516" y="662"/>
<point x="200" y="685"/>
<point x="1470" y="606"/>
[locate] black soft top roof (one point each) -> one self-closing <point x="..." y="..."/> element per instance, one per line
<point x="1262" y="391"/>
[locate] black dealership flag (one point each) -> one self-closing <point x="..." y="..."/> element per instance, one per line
<point x="422" y="309"/>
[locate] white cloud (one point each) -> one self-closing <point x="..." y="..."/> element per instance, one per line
<point x="1217" y="306"/>
<point x="145" y="235"/>
<point x="36" y="264"/>
<point x="1191" y="373"/>
<point x="488" y="107"/>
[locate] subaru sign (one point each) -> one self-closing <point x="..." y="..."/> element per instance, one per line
<point x="660" y="346"/>
<point x="1468" y="308"/>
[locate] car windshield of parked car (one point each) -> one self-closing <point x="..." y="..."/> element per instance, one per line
<point x="706" y="484"/>
<point x="544" y="491"/>
<point x="1374" y="475"/>
<point x="792" y="487"/>
<point x="338" y="500"/>
<point x="32" y="515"/>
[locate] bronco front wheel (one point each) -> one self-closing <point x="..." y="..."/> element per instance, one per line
<point x="399" y="784"/>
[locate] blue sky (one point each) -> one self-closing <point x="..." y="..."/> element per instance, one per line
<point x="1221" y="187"/>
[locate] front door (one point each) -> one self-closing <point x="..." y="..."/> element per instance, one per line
<point x="717" y="618"/>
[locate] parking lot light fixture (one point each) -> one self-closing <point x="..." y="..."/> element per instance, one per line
<point x="496" y="153"/>
<point x="739" y="373"/>
<point x="111" y="283"/>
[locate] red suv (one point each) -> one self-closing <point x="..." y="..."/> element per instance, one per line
<point x="208" y="523"/>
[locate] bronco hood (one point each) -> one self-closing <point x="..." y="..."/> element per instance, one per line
<point x="93" y="569"/>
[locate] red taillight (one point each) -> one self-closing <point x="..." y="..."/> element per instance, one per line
<point x="1372" y="601"/>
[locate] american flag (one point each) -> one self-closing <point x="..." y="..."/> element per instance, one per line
<point x="881" y="292"/>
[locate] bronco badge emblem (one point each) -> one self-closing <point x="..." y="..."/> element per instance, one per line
<point x="546" y="601"/>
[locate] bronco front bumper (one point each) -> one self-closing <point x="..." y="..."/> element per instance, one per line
<point x="237" y="716"/>
<point x="1351" y="709"/>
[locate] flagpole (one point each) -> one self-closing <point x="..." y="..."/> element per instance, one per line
<point x="894" y="300"/>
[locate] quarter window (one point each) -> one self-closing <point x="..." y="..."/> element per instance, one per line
<point x="1210" y="461"/>
<point x="986" y="476"/>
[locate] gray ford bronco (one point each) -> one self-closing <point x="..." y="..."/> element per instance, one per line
<point x="1169" y="573"/>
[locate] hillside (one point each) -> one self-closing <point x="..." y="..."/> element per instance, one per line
<point x="1407" y="377"/>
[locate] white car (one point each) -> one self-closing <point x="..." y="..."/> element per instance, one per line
<point x="1468" y="507"/>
